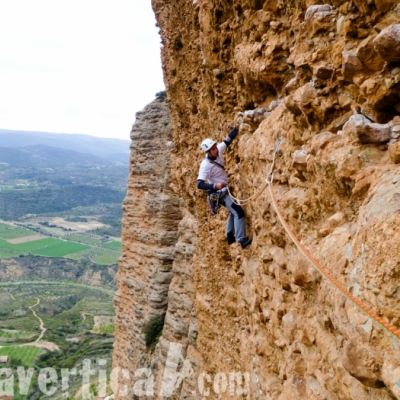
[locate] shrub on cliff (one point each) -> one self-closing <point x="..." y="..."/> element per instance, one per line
<point x="152" y="330"/>
<point x="161" y="95"/>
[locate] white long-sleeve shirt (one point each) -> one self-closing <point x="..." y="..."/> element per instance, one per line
<point x="212" y="173"/>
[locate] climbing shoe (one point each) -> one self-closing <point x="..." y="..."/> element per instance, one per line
<point x="230" y="238"/>
<point x="245" y="242"/>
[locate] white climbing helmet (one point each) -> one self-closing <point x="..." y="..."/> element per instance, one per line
<point x="206" y="144"/>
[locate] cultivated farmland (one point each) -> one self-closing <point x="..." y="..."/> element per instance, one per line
<point x="83" y="239"/>
<point x="68" y="313"/>
<point x="12" y="233"/>
<point x="113" y="245"/>
<point x="97" y="255"/>
<point x="59" y="249"/>
<point x="17" y="241"/>
<point x="24" y="355"/>
<point x="35" y="245"/>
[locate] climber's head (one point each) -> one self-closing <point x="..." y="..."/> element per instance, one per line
<point x="207" y="144"/>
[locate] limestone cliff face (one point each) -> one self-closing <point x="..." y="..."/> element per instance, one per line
<point x="323" y="77"/>
<point x="155" y="276"/>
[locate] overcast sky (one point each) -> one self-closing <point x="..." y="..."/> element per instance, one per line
<point x="77" y="66"/>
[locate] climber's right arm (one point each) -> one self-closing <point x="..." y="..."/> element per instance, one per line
<point x="204" y="186"/>
<point x="209" y="186"/>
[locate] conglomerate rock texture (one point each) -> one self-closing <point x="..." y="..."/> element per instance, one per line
<point x="324" y="79"/>
<point x="155" y="277"/>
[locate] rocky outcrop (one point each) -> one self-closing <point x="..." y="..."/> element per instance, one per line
<point x="324" y="79"/>
<point x="154" y="278"/>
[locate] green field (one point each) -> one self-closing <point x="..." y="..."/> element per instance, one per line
<point x="82" y="239"/>
<point x="73" y="246"/>
<point x="8" y="335"/>
<point x="49" y="247"/>
<point x="13" y="233"/>
<point x="107" y="328"/>
<point x="26" y="355"/>
<point x="60" y="249"/>
<point x="113" y="245"/>
<point x="98" y="255"/>
<point x="106" y="256"/>
<point x="7" y="250"/>
<point x="35" y="244"/>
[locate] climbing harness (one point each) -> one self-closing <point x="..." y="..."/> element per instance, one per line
<point x="214" y="201"/>
<point x="214" y="197"/>
<point x="304" y="251"/>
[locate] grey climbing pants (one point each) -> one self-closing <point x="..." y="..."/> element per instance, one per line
<point x="236" y="222"/>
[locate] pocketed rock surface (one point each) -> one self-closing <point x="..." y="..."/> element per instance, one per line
<point x="155" y="276"/>
<point x="323" y="78"/>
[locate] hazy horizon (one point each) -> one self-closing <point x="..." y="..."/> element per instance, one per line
<point x="77" y="67"/>
<point x="59" y="133"/>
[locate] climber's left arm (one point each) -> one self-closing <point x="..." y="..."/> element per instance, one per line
<point x="231" y="135"/>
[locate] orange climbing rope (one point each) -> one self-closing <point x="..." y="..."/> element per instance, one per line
<point x="250" y="199"/>
<point x="325" y="273"/>
<point x="305" y="252"/>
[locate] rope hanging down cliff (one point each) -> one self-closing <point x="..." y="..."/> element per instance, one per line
<point x="304" y="251"/>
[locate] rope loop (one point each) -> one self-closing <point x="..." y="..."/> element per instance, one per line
<point x="268" y="181"/>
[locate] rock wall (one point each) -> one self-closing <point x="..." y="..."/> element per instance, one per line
<point x="322" y="77"/>
<point x="155" y="276"/>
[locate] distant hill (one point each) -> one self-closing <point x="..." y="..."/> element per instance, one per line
<point x="116" y="150"/>
<point x="46" y="157"/>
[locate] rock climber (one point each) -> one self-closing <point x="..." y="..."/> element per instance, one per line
<point x="213" y="178"/>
